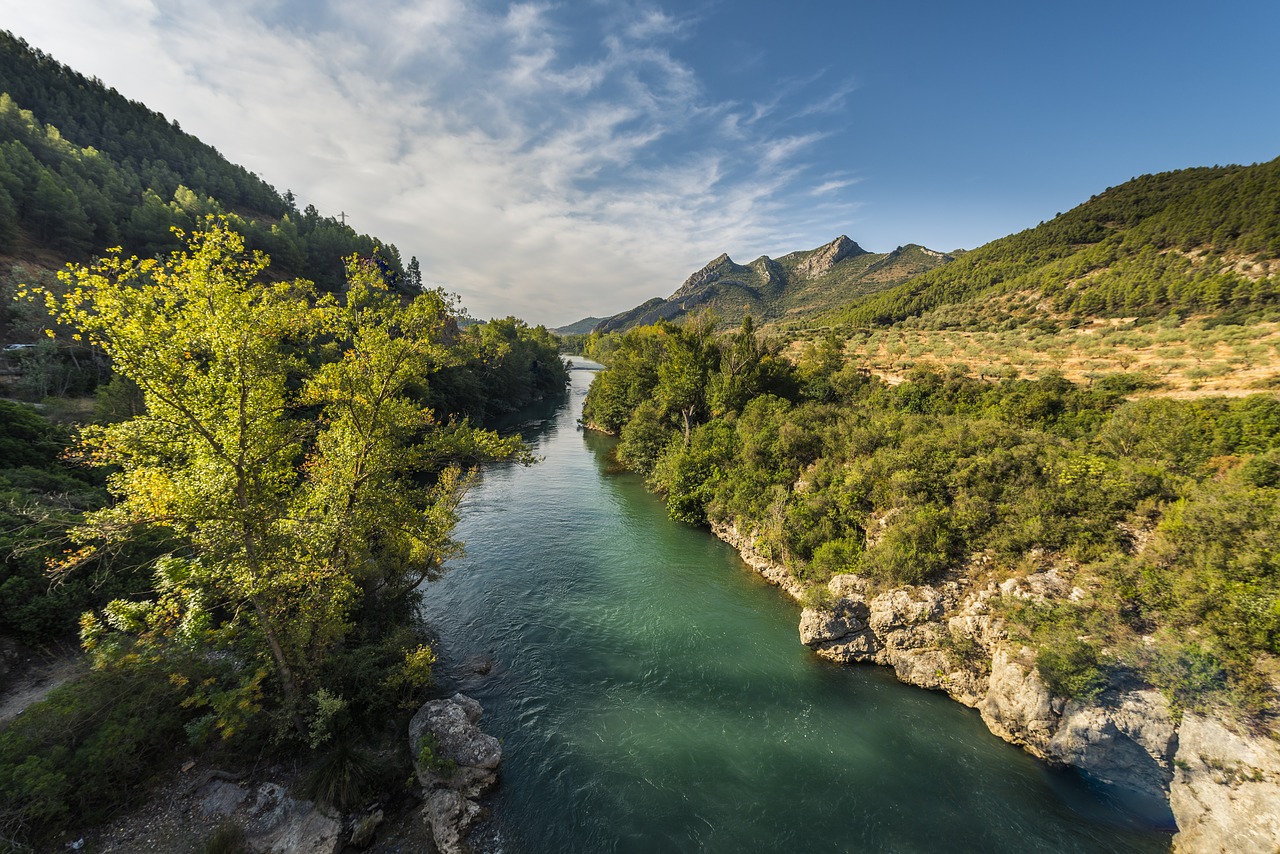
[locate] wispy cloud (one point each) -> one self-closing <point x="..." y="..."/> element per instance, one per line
<point x="835" y="101"/>
<point x="539" y="164"/>
<point x="832" y="185"/>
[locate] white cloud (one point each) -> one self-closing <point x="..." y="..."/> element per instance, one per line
<point x="832" y="185"/>
<point x="532" y="175"/>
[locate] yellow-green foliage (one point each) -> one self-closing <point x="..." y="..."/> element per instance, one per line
<point x="282" y="446"/>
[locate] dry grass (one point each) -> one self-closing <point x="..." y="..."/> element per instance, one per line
<point x="1180" y="359"/>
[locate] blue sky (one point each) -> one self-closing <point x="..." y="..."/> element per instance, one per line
<point x="554" y="160"/>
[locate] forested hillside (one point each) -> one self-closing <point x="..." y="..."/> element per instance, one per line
<point x="82" y="169"/>
<point x="1195" y="241"/>
<point x="928" y="434"/>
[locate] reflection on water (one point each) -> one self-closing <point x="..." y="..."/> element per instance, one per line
<point x="652" y="695"/>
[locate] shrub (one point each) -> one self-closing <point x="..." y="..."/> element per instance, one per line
<point x="227" y="838"/>
<point x="429" y="756"/>
<point x="1188" y="674"/>
<point x="1070" y="668"/>
<point x="835" y="557"/>
<point x="86" y="751"/>
<point x="343" y="777"/>
<point x="918" y="547"/>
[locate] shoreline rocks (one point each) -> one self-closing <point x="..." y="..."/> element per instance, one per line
<point x="456" y="763"/>
<point x="1219" y="789"/>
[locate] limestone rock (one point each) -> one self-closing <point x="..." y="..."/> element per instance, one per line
<point x="1223" y="788"/>
<point x="280" y="824"/>
<point x="845" y="617"/>
<point x="1126" y="742"/>
<point x="363" y="832"/>
<point x="220" y="798"/>
<point x="824" y="258"/>
<point x="716" y="268"/>
<point x="450" y="796"/>
<point x="925" y="668"/>
<point x="817" y="626"/>
<point x="1225" y="791"/>
<point x="450" y="816"/>
<point x="904" y="609"/>
<point x="767" y="569"/>
<point x="860" y="646"/>
<point x="1038" y="587"/>
<point x="1018" y="706"/>
<point x="847" y="586"/>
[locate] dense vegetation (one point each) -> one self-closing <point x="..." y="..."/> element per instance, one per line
<point x="1192" y="241"/>
<point x="1164" y="511"/>
<point x="83" y="169"/>
<point x="284" y="483"/>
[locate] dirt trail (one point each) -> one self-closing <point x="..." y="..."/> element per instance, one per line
<point x="32" y="678"/>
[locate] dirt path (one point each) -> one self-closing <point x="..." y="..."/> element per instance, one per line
<point x="32" y="678"/>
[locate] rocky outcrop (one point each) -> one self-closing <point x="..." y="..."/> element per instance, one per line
<point x="456" y="764"/>
<point x="717" y="268"/>
<point x="279" y="824"/>
<point x="1226" y="790"/>
<point x="766" y="568"/>
<point x="822" y="259"/>
<point x="1221" y="788"/>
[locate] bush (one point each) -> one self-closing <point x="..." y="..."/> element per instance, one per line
<point x="86" y="751"/>
<point x="1188" y="675"/>
<point x="430" y="757"/>
<point x="833" y="558"/>
<point x="917" y="548"/>
<point x="1070" y="668"/>
<point x="227" y="838"/>
<point x="342" y="777"/>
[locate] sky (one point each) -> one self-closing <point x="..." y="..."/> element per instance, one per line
<point x="554" y="160"/>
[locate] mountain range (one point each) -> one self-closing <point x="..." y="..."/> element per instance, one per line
<point x="795" y="287"/>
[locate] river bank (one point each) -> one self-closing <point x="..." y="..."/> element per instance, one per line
<point x="1220" y="787"/>
<point x="649" y="693"/>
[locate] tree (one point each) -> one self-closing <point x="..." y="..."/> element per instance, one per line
<point x="413" y="275"/>
<point x="683" y="375"/>
<point x="291" y="490"/>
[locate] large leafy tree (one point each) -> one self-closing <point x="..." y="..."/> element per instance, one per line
<point x="282" y="446"/>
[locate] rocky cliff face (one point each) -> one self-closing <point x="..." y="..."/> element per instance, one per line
<point x="1221" y="788"/>
<point x="1225" y="790"/>
<point x="824" y="258"/>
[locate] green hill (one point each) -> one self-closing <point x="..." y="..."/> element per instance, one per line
<point x="796" y="286"/>
<point x="1194" y="241"/>
<point x="83" y="168"/>
<point x="578" y="327"/>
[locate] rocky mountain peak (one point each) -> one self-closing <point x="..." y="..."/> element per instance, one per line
<point x="709" y="273"/>
<point x="826" y="257"/>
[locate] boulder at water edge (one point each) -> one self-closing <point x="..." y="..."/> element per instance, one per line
<point x="461" y="765"/>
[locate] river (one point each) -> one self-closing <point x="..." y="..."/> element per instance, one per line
<point x="652" y="695"/>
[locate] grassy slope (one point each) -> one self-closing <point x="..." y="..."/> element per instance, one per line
<point x="1175" y="276"/>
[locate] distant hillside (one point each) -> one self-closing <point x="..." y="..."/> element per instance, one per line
<point x="579" y="327"/>
<point x="83" y="168"/>
<point x="794" y="287"/>
<point x="1194" y="241"/>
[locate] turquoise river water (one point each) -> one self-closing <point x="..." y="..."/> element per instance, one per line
<point x="652" y="695"/>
